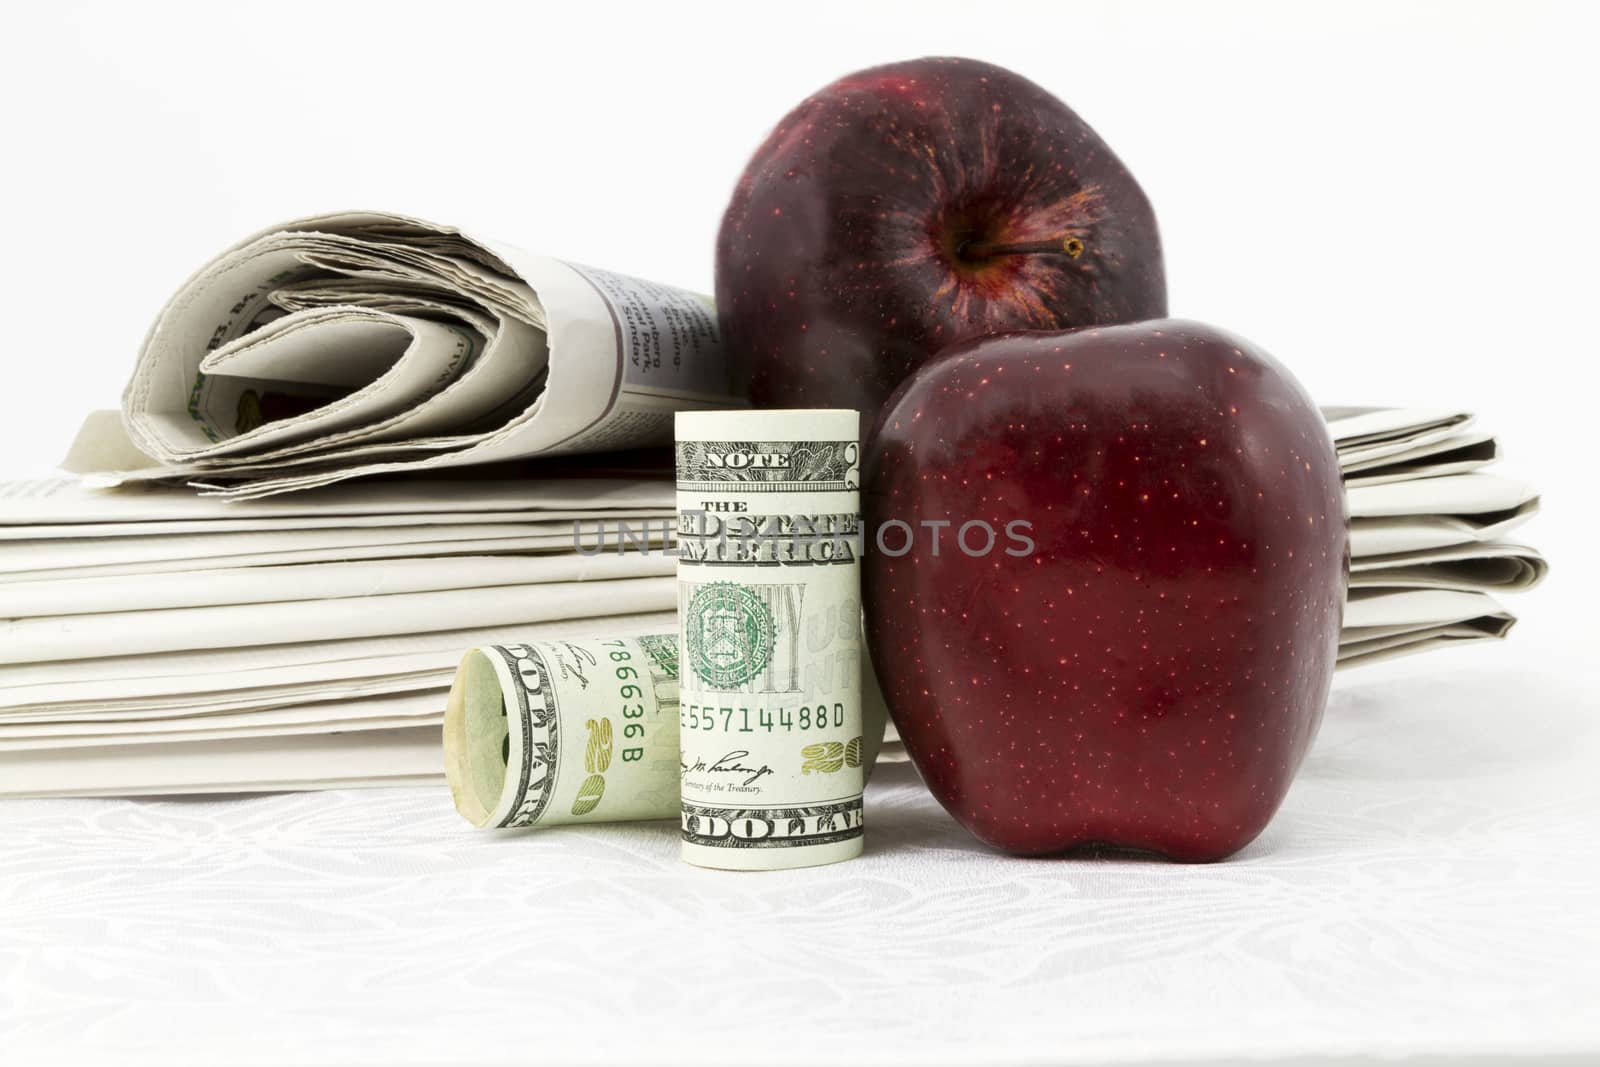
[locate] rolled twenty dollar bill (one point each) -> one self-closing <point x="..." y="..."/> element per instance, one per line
<point x="553" y="732"/>
<point x="769" y="589"/>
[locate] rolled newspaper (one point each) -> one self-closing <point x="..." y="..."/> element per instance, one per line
<point x="362" y="342"/>
<point x="552" y="732"/>
<point x="769" y="585"/>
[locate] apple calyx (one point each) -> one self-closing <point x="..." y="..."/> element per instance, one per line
<point x="975" y="250"/>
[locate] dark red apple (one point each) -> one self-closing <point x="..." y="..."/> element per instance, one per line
<point x="908" y="207"/>
<point x="1151" y="673"/>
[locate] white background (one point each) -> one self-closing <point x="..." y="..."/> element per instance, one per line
<point x="1398" y="200"/>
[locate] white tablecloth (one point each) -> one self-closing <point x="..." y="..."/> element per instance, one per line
<point x="1429" y="887"/>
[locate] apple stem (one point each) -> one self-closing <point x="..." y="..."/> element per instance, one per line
<point x="1070" y="246"/>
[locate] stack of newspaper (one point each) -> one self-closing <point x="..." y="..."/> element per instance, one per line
<point x="228" y="611"/>
<point x="239" y="615"/>
<point x="157" y="641"/>
<point x="160" y="642"/>
<point x="1429" y="555"/>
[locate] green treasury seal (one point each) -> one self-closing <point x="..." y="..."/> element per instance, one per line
<point x="728" y="634"/>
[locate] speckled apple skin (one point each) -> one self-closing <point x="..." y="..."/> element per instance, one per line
<point x="1152" y="674"/>
<point x="837" y="267"/>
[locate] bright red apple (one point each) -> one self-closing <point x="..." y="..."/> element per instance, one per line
<point x="908" y="207"/>
<point x="1151" y="673"/>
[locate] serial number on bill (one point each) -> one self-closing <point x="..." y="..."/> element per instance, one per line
<point x="745" y="720"/>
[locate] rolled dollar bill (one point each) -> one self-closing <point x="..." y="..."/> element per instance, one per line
<point x="553" y="732"/>
<point x="769" y="584"/>
<point x="565" y="731"/>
